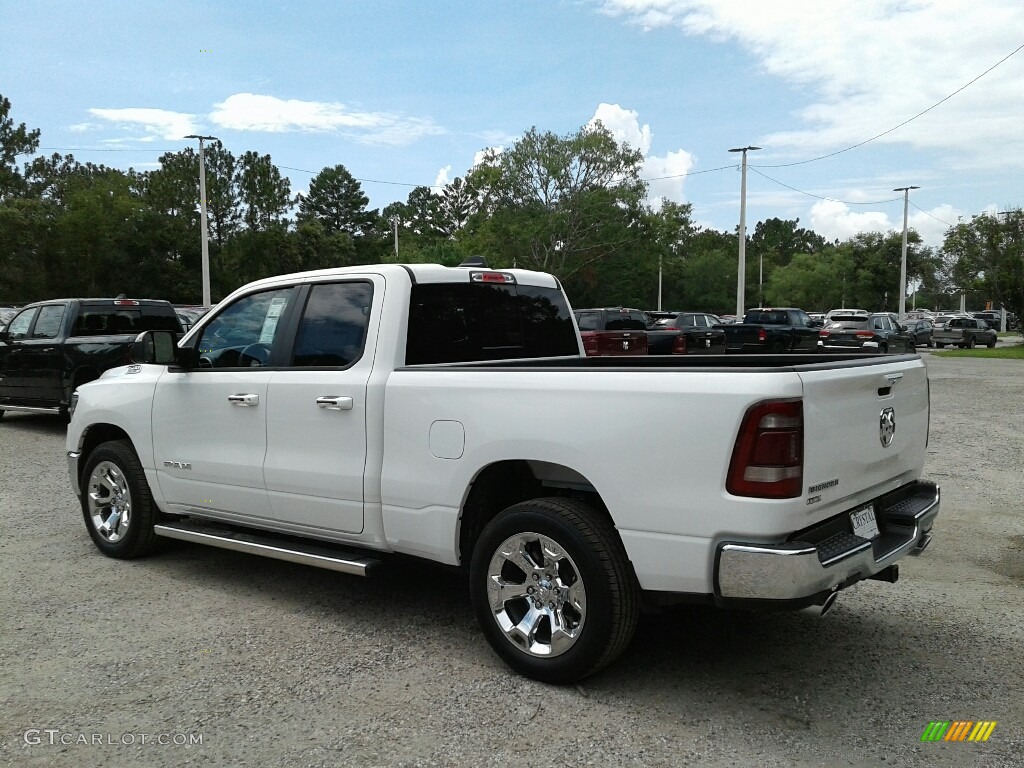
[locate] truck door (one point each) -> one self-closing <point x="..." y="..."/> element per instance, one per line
<point x="12" y="358"/>
<point x="805" y="334"/>
<point x="42" y="358"/>
<point x="317" y="408"/>
<point x="210" y="424"/>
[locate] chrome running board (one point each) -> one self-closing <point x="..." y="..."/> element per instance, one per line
<point x="316" y="554"/>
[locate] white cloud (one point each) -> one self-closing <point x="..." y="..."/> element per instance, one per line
<point x="156" y="123"/>
<point x="834" y="220"/>
<point x="82" y="127"/>
<point x="624" y="125"/>
<point x="255" y="112"/>
<point x="443" y="178"/>
<point x="871" y="64"/>
<point x="665" y="174"/>
<point x="478" y="157"/>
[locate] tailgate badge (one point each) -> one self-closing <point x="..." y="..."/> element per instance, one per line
<point x="887" y="426"/>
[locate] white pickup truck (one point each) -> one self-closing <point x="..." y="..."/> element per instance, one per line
<point x="336" y="418"/>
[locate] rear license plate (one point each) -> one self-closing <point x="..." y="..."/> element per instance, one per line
<point x="864" y="524"/>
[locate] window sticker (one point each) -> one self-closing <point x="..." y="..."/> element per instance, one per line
<point x="273" y="316"/>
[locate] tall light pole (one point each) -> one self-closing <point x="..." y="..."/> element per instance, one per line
<point x="903" y="260"/>
<point x="394" y="224"/>
<point x="741" y="277"/>
<point x="659" y="282"/>
<point x="202" y="218"/>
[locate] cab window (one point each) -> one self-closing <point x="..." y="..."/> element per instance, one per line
<point x="243" y="334"/>
<point x="19" y="325"/>
<point x="49" y="321"/>
<point x="332" y="331"/>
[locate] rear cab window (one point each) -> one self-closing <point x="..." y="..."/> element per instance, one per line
<point x="111" y="319"/>
<point x="466" y="322"/>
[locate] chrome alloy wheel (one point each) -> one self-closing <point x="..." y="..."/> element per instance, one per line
<point x="110" y="501"/>
<point x="536" y="594"/>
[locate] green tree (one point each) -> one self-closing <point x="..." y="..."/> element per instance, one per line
<point x="775" y="243"/>
<point x="264" y="193"/>
<point x="223" y="196"/>
<point x="336" y="200"/>
<point x="558" y="203"/>
<point x="985" y="258"/>
<point x="14" y="142"/>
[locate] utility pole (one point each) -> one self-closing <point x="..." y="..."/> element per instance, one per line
<point x="394" y="223"/>
<point x="202" y="220"/>
<point x="741" y="277"/>
<point x="903" y="260"/>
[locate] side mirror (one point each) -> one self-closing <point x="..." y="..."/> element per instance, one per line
<point x="156" y="347"/>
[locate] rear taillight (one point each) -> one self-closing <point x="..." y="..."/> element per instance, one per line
<point x="865" y="335"/>
<point x="762" y="335"/>
<point x="768" y="458"/>
<point x="589" y="343"/>
<point x="679" y="345"/>
<point x="823" y="334"/>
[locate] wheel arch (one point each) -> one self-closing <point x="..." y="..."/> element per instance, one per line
<point x="96" y="435"/>
<point x="501" y="484"/>
<point x="83" y="374"/>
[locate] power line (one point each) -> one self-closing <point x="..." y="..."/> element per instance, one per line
<point x="689" y="173"/>
<point x="922" y="210"/>
<point x="831" y="199"/>
<point x="908" y="120"/>
<point x="104" y="149"/>
<point x="368" y="181"/>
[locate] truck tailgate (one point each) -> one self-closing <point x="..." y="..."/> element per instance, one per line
<point x="868" y="427"/>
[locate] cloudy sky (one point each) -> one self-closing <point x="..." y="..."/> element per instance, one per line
<point x="847" y="98"/>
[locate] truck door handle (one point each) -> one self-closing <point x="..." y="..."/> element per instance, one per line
<point x="244" y="401"/>
<point x="334" y="403"/>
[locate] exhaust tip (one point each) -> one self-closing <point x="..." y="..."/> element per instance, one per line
<point x="829" y="602"/>
<point x="820" y="609"/>
<point x="922" y="544"/>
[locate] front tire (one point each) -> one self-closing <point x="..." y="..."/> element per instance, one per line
<point x="970" y="343"/>
<point x="117" y="503"/>
<point x="553" y="589"/>
<point x="992" y="344"/>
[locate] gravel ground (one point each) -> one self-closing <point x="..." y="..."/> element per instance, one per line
<point x="268" y="663"/>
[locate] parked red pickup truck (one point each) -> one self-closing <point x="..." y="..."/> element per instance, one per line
<point x="612" y="331"/>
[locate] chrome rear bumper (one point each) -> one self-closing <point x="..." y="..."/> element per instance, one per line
<point x="828" y="557"/>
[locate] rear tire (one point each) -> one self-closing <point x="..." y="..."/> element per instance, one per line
<point x="553" y="589"/>
<point x="116" y="502"/>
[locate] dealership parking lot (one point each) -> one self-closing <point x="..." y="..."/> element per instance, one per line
<point x="207" y="657"/>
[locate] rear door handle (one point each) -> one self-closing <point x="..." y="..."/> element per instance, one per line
<point x="244" y="401"/>
<point x="334" y="403"/>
